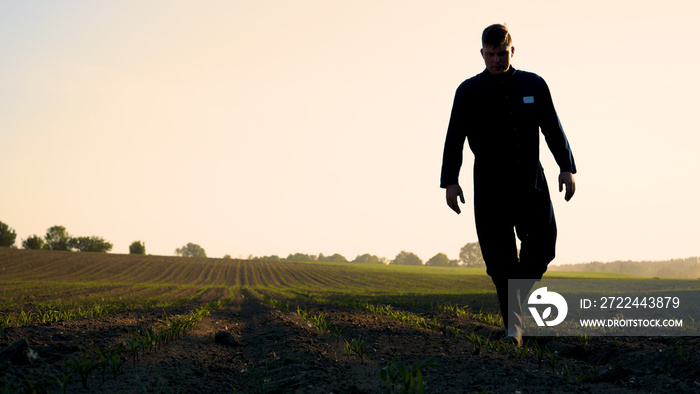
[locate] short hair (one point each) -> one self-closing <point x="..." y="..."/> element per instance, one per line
<point x="496" y="35"/>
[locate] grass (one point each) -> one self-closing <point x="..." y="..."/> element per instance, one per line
<point x="55" y="274"/>
<point x="406" y="379"/>
<point x="64" y="286"/>
<point x="145" y="339"/>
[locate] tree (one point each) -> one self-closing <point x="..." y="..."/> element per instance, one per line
<point x="470" y="255"/>
<point x="274" y="257"/>
<point x="368" y="259"/>
<point x="407" y="258"/>
<point x="440" y="260"/>
<point x="300" y="257"/>
<point x="191" y="250"/>
<point x="7" y="235"/>
<point x="137" y="247"/>
<point x="34" y="242"/>
<point x="335" y="258"/>
<point x="227" y="257"/>
<point x="57" y="238"/>
<point x="90" y="244"/>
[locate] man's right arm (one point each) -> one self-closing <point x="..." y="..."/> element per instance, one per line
<point x="454" y="143"/>
<point x="453" y="153"/>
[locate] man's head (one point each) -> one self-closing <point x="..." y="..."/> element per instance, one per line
<point x="497" y="48"/>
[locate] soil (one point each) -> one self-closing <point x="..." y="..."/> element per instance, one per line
<point x="275" y="351"/>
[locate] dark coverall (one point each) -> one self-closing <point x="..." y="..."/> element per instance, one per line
<point x="501" y="116"/>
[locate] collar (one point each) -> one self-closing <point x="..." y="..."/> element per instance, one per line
<point x="507" y="75"/>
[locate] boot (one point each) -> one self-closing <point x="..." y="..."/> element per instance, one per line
<point x="514" y="326"/>
<point x="502" y="295"/>
<point x="511" y="311"/>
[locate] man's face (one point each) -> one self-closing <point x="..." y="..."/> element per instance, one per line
<point x="497" y="59"/>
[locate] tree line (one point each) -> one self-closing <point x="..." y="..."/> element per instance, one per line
<point x="469" y="256"/>
<point x="687" y="268"/>
<point x="58" y="238"/>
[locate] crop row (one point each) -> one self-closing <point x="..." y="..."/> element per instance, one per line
<point x="395" y="375"/>
<point x="145" y="339"/>
<point x="531" y="351"/>
<point x="48" y="312"/>
<point x="493" y="319"/>
<point x="109" y="269"/>
<point x="403" y="316"/>
<point x="390" y="374"/>
<point x="27" y="295"/>
<point x="457" y="322"/>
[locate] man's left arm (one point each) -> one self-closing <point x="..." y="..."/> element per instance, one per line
<point x="556" y="141"/>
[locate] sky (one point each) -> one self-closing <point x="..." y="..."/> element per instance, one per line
<point x="277" y="127"/>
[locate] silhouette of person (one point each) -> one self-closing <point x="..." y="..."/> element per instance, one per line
<point x="500" y="112"/>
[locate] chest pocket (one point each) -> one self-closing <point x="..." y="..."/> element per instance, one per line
<point x="528" y="110"/>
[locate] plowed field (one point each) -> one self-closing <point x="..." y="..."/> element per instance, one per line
<point x="120" y="323"/>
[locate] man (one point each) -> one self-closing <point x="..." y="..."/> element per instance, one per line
<point x="500" y="112"/>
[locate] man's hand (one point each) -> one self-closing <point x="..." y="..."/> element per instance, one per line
<point x="454" y="191"/>
<point x="567" y="178"/>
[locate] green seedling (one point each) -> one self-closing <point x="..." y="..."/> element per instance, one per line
<point x="520" y="352"/>
<point x="397" y="375"/>
<point x="402" y="316"/>
<point x="679" y="353"/>
<point x="552" y="359"/>
<point x="495" y="345"/>
<point x="61" y="382"/>
<point x="454" y="331"/>
<point x="356" y="346"/>
<point x="569" y="371"/>
<point x="335" y="332"/>
<point x="115" y="363"/>
<point x="101" y="363"/>
<point x="24" y="318"/>
<point x="320" y="322"/>
<point x="585" y="339"/>
<point x="147" y="339"/>
<point x="302" y="313"/>
<point x="83" y="366"/>
<point x="540" y="352"/>
<point x="133" y="348"/>
<point x="5" y="323"/>
<point x="595" y="370"/>
<point x="435" y="325"/>
<point x="275" y="303"/>
<point x="475" y="339"/>
<point x="348" y="350"/>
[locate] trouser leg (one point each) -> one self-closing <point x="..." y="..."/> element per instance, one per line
<point x="515" y="313"/>
<point x="511" y="295"/>
<point x="510" y="300"/>
<point x="537" y="230"/>
<point x="524" y="286"/>
<point x="502" y="295"/>
<point x="498" y="247"/>
<point x="533" y="222"/>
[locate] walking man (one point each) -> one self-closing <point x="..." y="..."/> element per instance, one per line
<point x="500" y="112"/>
